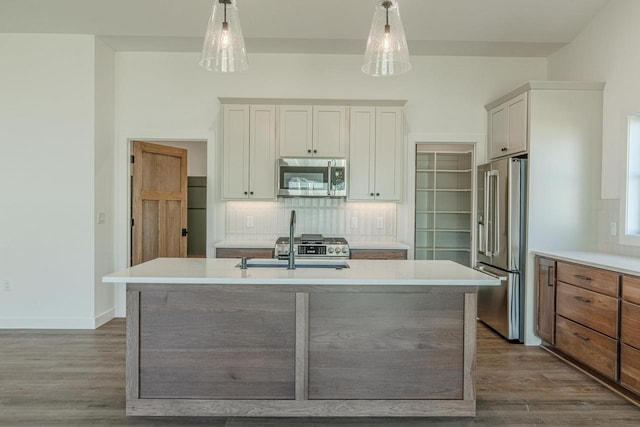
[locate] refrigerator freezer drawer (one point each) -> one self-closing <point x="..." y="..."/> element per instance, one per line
<point x="499" y="306"/>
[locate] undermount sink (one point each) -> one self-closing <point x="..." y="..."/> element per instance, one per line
<point x="300" y="263"/>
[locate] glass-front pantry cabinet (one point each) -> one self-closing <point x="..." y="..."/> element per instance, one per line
<point x="443" y="202"/>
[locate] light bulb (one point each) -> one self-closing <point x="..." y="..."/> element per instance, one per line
<point x="224" y="39"/>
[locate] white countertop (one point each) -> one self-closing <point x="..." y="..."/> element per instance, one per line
<point x="621" y="264"/>
<point x="361" y="272"/>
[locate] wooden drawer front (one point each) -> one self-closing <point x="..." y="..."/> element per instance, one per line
<point x="244" y="252"/>
<point x="630" y="328"/>
<point x="591" y="348"/>
<point x="630" y="368"/>
<point x="631" y="289"/>
<point x="603" y="281"/>
<point x="378" y="254"/>
<point x="597" y="311"/>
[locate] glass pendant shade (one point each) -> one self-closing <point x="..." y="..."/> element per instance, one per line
<point x="387" y="53"/>
<point x="223" y="49"/>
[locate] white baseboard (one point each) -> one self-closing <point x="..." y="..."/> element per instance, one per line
<point x="103" y="318"/>
<point x="47" y="323"/>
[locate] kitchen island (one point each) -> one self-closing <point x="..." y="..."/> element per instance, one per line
<point x="379" y="338"/>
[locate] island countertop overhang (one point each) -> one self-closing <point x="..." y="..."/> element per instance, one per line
<point x="361" y="272"/>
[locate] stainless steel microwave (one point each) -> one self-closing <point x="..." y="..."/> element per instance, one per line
<point x="312" y="177"/>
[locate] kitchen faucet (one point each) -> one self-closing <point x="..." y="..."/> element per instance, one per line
<point x="292" y="227"/>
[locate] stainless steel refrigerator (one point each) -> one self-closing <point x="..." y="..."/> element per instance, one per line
<point x="501" y="225"/>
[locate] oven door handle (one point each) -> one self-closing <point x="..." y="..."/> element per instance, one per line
<point x="482" y="269"/>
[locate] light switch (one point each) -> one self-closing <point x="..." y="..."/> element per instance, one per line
<point x="249" y="221"/>
<point x="354" y="222"/>
<point x="102" y="217"/>
<point x="380" y="222"/>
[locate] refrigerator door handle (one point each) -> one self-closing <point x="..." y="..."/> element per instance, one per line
<point x="482" y="269"/>
<point x="491" y="212"/>
<point x="496" y="214"/>
<point x="484" y="239"/>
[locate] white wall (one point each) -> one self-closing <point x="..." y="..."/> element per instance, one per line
<point x="47" y="181"/>
<point x="167" y="95"/>
<point x="104" y="299"/>
<point x="606" y="50"/>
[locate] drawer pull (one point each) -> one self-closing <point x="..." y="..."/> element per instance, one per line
<point x="582" y="337"/>
<point x="582" y="299"/>
<point x="581" y="277"/>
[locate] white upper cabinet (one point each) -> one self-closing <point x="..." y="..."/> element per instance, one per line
<point x="508" y="127"/>
<point x="375" y="153"/>
<point x="249" y="151"/>
<point x="313" y="131"/>
<point x="330" y="131"/>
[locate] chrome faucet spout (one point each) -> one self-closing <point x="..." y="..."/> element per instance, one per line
<point x="292" y="229"/>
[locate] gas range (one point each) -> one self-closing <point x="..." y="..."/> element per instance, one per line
<point x="313" y="246"/>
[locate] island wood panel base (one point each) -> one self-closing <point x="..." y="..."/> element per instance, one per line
<point x="437" y="328"/>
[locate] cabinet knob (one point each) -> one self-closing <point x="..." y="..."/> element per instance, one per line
<point x="377" y="194"/>
<point x="503" y="149"/>
<point x="308" y="151"/>
<point x="371" y="194"/>
<point x="251" y="192"/>
<point x="315" y="151"/>
<point x="245" y="193"/>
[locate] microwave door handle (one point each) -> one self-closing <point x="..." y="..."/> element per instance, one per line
<point x="329" y="190"/>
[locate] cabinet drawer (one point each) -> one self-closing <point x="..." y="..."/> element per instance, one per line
<point x="591" y="348"/>
<point x="591" y="309"/>
<point x="630" y="368"/>
<point x="595" y="279"/>
<point x="631" y="289"/>
<point x="630" y="324"/>
<point x="244" y="252"/>
<point x="378" y="254"/>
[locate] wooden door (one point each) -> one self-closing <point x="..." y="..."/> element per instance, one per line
<point x="159" y="202"/>
<point x="546" y="299"/>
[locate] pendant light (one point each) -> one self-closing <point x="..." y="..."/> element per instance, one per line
<point x="223" y="49"/>
<point x="387" y="53"/>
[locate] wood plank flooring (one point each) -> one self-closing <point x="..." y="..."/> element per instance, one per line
<point x="76" y="378"/>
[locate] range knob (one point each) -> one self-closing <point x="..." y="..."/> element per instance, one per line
<point x="345" y="250"/>
<point x="330" y="249"/>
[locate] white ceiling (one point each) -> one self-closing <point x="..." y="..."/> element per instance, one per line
<point x="433" y="27"/>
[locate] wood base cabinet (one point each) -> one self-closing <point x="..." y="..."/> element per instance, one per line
<point x="546" y="299"/>
<point x="630" y="334"/>
<point x="289" y="350"/>
<point x="597" y="321"/>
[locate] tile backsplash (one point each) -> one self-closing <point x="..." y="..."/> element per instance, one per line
<point x="609" y="212"/>
<point x="357" y="222"/>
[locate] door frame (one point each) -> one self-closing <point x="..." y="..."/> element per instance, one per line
<point x="122" y="193"/>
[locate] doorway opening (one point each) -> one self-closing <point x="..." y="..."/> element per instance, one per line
<point x="168" y="199"/>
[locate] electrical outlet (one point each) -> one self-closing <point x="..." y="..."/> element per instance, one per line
<point x="354" y="222"/>
<point x="613" y="229"/>
<point x="249" y="221"/>
<point x="6" y="285"/>
<point x="102" y="217"/>
<point x="380" y="222"/>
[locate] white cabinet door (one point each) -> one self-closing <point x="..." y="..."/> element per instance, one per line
<point x="518" y="120"/>
<point x="498" y="131"/>
<point x="329" y="131"/>
<point x="508" y="127"/>
<point x="362" y="143"/>
<point x="296" y="131"/>
<point x="262" y="152"/>
<point x="375" y="153"/>
<point x="235" y="151"/>
<point x="389" y="159"/>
